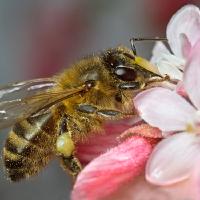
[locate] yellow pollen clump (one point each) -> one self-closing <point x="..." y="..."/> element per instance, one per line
<point x="65" y="145"/>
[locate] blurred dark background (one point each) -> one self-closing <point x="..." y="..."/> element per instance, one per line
<point x="40" y="38"/>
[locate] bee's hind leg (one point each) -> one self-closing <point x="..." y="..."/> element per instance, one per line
<point x="65" y="149"/>
<point x="72" y="165"/>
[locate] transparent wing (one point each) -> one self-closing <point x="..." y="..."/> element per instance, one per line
<point x="29" y="98"/>
<point x="12" y="96"/>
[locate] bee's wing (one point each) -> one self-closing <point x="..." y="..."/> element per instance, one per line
<point x="12" y="96"/>
<point x="24" y="99"/>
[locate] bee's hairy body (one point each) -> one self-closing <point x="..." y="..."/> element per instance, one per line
<point x="29" y="146"/>
<point x="32" y="141"/>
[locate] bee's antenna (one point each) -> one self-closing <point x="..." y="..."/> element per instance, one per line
<point x="132" y="40"/>
<point x="149" y="39"/>
<point x="133" y="46"/>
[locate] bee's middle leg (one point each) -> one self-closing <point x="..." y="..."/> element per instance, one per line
<point x="101" y="112"/>
<point x="65" y="149"/>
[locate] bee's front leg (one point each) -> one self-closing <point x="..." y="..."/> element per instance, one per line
<point x="65" y="149"/>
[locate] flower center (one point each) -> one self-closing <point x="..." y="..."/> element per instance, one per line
<point x="194" y="125"/>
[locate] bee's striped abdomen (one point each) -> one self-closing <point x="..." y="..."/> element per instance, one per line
<point x="29" y="146"/>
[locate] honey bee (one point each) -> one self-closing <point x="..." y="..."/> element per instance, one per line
<point x="50" y="115"/>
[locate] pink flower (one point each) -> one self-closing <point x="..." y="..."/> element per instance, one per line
<point x="183" y="31"/>
<point x="108" y="172"/>
<point x="114" y="163"/>
<point x="118" y="172"/>
<point x="174" y="158"/>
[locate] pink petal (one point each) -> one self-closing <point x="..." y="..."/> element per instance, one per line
<point x="108" y="172"/>
<point x="186" y="45"/>
<point x="196" y="175"/>
<point x="98" y="143"/>
<point x="180" y="89"/>
<point x="163" y="108"/>
<point x="185" y="22"/>
<point x="140" y="189"/>
<point x="192" y="76"/>
<point x="173" y="159"/>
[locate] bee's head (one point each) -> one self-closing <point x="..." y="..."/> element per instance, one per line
<point x="133" y="72"/>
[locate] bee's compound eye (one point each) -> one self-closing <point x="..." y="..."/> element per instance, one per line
<point x="112" y="60"/>
<point x="125" y="73"/>
<point x="115" y="62"/>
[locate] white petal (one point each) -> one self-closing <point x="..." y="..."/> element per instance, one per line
<point x="173" y="60"/>
<point x="163" y="108"/>
<point x="166" y="62"/>
<point x="169" y="68"/>
<point x="185" y="22"/>
<point x="173" y="159"/>
<point x="192" y="76"/>
<point x="158" y="50"/>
